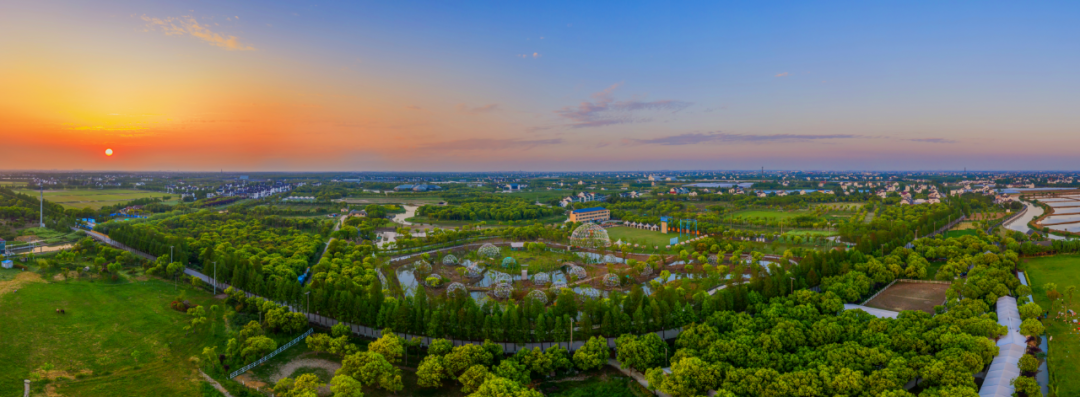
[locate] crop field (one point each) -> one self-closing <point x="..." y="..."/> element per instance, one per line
<point x="910" y="296"/>
<point x="1064" y="356"/>
<point x="639" y="236"/>
<point x="95" y="199"/>
<point x="90" y="349"/>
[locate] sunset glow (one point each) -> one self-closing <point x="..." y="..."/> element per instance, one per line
<point x="541" y="86"/>
<point x="108" y="152"/>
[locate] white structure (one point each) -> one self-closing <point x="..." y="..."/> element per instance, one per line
<point x="1003" y="370"/>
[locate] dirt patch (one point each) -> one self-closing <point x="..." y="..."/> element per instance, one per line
<point x="294" y="365"/>
<point x="59" y="277"/>
<point x="910" y="296"/>
<point x="20" y="280"/>
<point x="247" y="380"/>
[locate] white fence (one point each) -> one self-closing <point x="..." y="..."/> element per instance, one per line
<point x="271" y="355"/>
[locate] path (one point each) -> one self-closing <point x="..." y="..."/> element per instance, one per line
<point x="215" y="384"/>
<point x="290" y="367"/>
<point x="638" y="377"/>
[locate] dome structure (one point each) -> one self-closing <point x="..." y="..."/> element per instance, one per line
<point x="434" y="280"/>
<point x="609" y="258"/>
<point x="509" y="262"/>
<point x="611" y="280"/>
<point x="541" y="279"/>
<point x="590" y="235"/>
<point x="503" y="290"/>
<point x="488" y="251"/>
<point x="646" y="270"/>
<point x="557" y="286"/>
<point x="537" y="295"/>
<point x="500" y="277"/>
<point x="421" y="266"/>
<point x="578" y="272"/>
<point x="456" y="288"/>
<point x="474" y="272"/>
<point x="449" y="260"/>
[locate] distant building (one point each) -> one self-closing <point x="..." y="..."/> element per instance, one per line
<point x="595" y="214"/>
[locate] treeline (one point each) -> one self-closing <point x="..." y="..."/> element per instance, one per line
<point x="487" y="207"/>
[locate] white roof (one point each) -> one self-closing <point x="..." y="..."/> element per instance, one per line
<point x="517" y="245"/>
<point x="1002" y="372"/>
<point x="879" y="313"/>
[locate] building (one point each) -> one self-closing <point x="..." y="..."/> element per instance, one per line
<point x="8" y="264"/>
<point x="594" y="214"/>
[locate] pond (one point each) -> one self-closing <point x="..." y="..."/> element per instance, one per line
<point x="1054" y="219"/>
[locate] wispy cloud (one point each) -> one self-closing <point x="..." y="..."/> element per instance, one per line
<point x="463" y="108"/>
<point x="492" y="144"/>
<point x="719" y="137"/>
<point x="932" y="140"/>
<point x="605" y="110"/>
<point x="785" y="74"/>
<point x="187" y="25"/>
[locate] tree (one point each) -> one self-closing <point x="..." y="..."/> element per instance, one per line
<point x="1028" y="364"/>
<point x="1032" y="327"/>
<point x="513" y="370"/>
<point x="339" y="330"/>
<point x="690" y="376"/>
<point x="1030" y="310"/>
<point x="1027" y="387"/>
<point x="389" y="346"/>
<point x="559" y="358"/>
<point x="371" y="368"/>
<point x="495" y="386"/>
<point x="472" y="378"/>
<point x="593" y="355"/>
<point x="306" y="385"/>
<point x="257" y="346"/>
<point x="430" y="372"/>
<point x="345" y="386"/>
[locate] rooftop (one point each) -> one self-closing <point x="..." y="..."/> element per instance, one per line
<point x="589" y="210"/>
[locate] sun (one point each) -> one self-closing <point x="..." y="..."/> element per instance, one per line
<point x="108" y="152"/>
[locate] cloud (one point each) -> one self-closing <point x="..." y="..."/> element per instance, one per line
<point x="605" y="110"/>
<point x="187" y="25"/>
<point x="414" y="107"/>
<point x="718" y="137"/>
<point x="785" y="74"/>
<point x="932" y="140"/>
<point x="492" y="144"/>
<point x="463" y="108"/>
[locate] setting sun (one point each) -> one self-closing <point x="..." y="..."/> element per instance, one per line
<point x="108" y="152"/>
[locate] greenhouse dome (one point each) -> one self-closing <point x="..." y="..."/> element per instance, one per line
<point x="503" y="290"/>
<point x="590" y="235"/>
<point x="509" y="262"/>
<point x="421" y="266"/>
<point x="456" y="288"/>
<point x="488" y="251"/>
<point x="541" y="279"/>
<point x="449" y="260"/>
<point x="611" y="280"/>
<point x="537" y="295"/>
<point x="474" y="272"/>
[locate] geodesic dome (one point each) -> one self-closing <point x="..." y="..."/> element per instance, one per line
<point x="557" y="287"/>
<point x="474" y="272"/>
<point x="537" y="295"/>
<point x="646" y="270"/>
<point x="468" y="263"/>
<point x="449" y="260"/>
<point x="499" y="277"/>
<point x="610" y="259"/>
<point x="589" y="235"/>
<point x="503" y="290"/>
<point x="488" y="251"/>
<point x="588" y="291"/>
<point x="509" y="262"/>
<point x="456" y="288"/>
<point x="433" y="280"/>
<point x="611" y="280"/>
<point x="578" y="271"/>
<point x="541" y="279"/>
<point x="421" y="266"/>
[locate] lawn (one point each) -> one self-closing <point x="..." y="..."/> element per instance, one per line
<point x="767" y="214"/>
<point x="1064" y="356"/>
<point x="961" y="233"/>
<point x="90" y="348"/>
<point x="639" y="236"/>
<point x="95" y="198"/>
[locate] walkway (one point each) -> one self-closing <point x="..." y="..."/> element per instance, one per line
<point x="215" y="384"/>
<point x="638" y="377"/>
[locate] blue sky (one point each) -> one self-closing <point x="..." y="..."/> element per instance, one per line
<point x="541" y="85"/>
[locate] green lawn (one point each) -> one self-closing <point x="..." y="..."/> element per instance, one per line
<point x="639" y="236"/>
<point x="767" y="214"/>
<point x="960" y="233"/>
<point x="94" y="341"/>
<point x="95" y="199"/>
<point x="1063" y="270"/>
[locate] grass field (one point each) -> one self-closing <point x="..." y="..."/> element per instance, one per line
<point x="1064" y="356"/>
<point x="90" y="348"/>
<point x="960" y="233"/>
<point x="607" y="383"/>
<point x="95" y="199"/>
<point x="639" y="236"/>
<point x="766" y="214"/>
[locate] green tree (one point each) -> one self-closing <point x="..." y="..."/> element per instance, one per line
<point x="430" y="372"/>
<point x="1032" y="327"/>
<point x="339" y="330"/>
<point x="472" y="378"/>
<point x="593" y="355"/>
<point x="389" y="346"/>
<point x="1030" y="310"/>
<point x="513" y="370"/>
<point x="257" y="346"/>
<point x="371" y="368"/>
<point x="1028" y="364"/>
<point x="495" y="386"/>
<point x="345" y="386"/>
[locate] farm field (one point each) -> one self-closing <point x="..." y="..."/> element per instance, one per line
<point x="90" y="348"/>
<point x="94" y="199"/>
<point x="639" y="236"/>
<point x="1064" y="359"/>
<point x="910" y="296"/>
